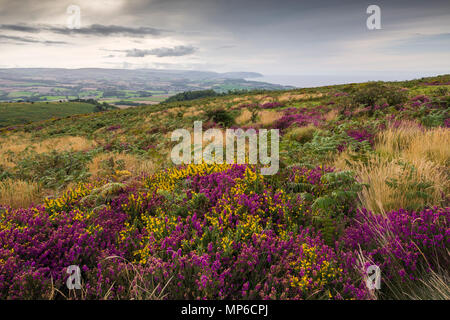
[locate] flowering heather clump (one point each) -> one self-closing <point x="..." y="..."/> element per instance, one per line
<point x="271" y="105"/>
<point x="38" y="247"/>
<point x="310" y="176"/>
<point x="447" y="123"/>
<point x="300" y="117"/>
<point x="215" y="184"/>
<point x="149" y="147"/>
<point x="211" y="124"/>
<point x="361" y="135"/>
<point x="210" y="232"/>
<point x="409" y="240"/>
<point x="436" y="83"/>
<point x="108" y="147"/>
<point x="421" y="98"/>
<point x="113" y="128"/>
<point x="166" y="180"/>
<point x="248" y="105"/>
<point x="238" y="237"/>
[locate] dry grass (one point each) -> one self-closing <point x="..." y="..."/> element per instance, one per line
<point x="379" y="197"/>
<point x="268" y="117"/>
<point x="289" y="96"/>
<point x="133" y="163"/>
<point x="332" y="115"/>
<point x="267" y="100"/>
<point x="192" y="112"/>
<point x="15" y="144"/>
<point x="264" y="117"/>
<point x="241" y="102"/>
<point x="244" y="117"/>
<point x="19" y="193"/>
<point x="426" y="150"/>
<point x="301" y="134"/>
<point x="435" y="287"/>
<point x="415" y="143"/>
<point x="74" y="143"/>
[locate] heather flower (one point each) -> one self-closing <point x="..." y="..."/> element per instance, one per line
<point x="411" y="240"/>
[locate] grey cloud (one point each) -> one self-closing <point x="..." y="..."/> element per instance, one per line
<point x="284" y="36"/>
<point x="30" y="40"/>
<point x="19" y="27"/>
<point x="162" y="52"/>
<point x="94" y="30"/>
<point x="110" y="30"/>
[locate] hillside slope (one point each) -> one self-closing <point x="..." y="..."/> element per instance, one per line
<point x="363" y="180"/>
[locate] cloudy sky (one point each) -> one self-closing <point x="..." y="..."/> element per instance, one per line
<point x="277" y="37"/>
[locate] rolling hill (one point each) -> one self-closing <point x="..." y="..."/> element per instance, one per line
<point x="363" y="180"/>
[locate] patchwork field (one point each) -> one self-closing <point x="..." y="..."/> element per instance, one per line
<point x="363" y="180"/>
<point x="15" y="113"/>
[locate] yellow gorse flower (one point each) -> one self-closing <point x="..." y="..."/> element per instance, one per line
<point x="310" y="272"/>
<point x="166" y="180"/>
<point x="67" y="199"/>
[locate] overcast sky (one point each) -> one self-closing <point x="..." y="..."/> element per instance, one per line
<point x="278" y="37"/>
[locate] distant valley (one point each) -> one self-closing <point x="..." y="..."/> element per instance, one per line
<point x="118" y="86"/>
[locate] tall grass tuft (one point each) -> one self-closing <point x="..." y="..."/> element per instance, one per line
<point x="19" y="193"/>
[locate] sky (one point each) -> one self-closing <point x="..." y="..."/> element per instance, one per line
<point x="282" y="38"/>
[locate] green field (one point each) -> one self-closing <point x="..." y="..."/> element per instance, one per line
<point x="20" y="112"/>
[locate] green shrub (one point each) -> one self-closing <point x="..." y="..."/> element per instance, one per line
<point x="110" y="166"/>
<point x="54" y="169"/>
<point x="441" y="91"/>
<point x="409" y="185"/>
<point x="4" y="173"/>
<point x="220" y="116"/>
<point x="435" y="118"/>
<point x="377" y="94"/>
<point x="191" y="95"/>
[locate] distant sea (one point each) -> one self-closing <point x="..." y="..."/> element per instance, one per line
<point x="308" y="81"/>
